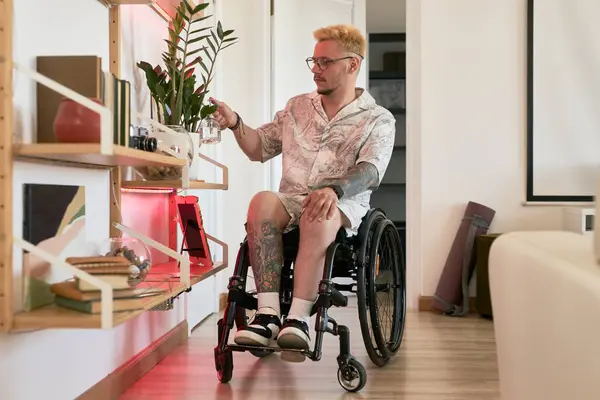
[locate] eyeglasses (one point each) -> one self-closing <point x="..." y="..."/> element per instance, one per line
<point x="323" y="63"/>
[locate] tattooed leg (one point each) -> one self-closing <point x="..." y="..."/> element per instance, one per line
<point x="266" y="254"/>
<point x="267" y="217"/>
<point x="266" y="220"/>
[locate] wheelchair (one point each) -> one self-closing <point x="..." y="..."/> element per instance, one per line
<point x="373" y="259"/>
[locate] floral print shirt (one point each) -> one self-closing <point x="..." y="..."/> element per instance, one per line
<point x="316" y="149"/>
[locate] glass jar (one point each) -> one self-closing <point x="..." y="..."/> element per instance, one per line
<point x="209" y="130"/>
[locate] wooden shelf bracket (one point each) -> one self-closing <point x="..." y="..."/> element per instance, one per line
<point x="223" y="168"/>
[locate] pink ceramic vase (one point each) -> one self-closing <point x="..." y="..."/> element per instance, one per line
<point x="75" y="123"/>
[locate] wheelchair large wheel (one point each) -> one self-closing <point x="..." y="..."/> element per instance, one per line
<point x="381" y="288"/>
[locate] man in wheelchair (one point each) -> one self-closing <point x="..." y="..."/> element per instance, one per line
<point x="336" y="144"/>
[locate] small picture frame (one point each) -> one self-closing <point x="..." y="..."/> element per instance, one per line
<point x="194" y="241"/>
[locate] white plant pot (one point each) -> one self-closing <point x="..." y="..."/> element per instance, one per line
<point x="194" y="172"/>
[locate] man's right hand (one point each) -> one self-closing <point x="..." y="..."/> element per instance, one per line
<point x="224" y="114"/>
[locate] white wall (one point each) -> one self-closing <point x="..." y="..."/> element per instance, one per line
<point x="62" y="364"/>
<point x="466" y="126"/>
<point x="244" y="84"/>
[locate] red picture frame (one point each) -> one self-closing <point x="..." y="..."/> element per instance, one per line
<point x="194" y="241"/>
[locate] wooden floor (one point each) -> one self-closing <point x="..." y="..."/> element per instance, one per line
<point x="441" y="358"/>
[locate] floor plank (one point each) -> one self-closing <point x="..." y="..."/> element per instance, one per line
<point x="441" y="358"/>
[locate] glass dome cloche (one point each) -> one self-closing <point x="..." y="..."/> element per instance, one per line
<point x="133" y="250"/>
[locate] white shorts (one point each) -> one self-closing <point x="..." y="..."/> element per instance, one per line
<point x="352" y="212"/>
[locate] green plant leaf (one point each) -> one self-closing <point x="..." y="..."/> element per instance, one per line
<point x="220" y="30"/>
<point x="199" y="30"/>
<point x="160" y="92"/>
<point x="227" y="33"/>
<point x="215" y="38"/>
<point x="201" y="19"/>
<point x="204" y="67"/>
<point x="191" y="53"/>
<point x="208" y="54"/>
<point x="173" y="45"/>
<point x="196" y="39"/>
<point x="182" y="12"/>
<point x="207" y="110"/>
<point x="229" y="39"/>
<point x="188" y="7"/>
<point x="210" y="43"/>
<point x="200" y="7"/>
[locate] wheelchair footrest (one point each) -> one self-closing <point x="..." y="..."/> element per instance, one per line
<point x="239" y="347"/>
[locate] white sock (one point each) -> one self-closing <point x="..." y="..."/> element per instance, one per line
<point x="300" y="309"/>
<point x="268" y="303"/>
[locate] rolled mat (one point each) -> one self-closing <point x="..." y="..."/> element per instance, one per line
<point x="452" y="293"/>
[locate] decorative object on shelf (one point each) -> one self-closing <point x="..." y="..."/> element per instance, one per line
<point x="75" y="123"/>
<point x="54" y="218"/>
<point x="210" y="130"/>
<point x="179" y="101"/>
<point x="139" y="139"/>
<point x="179" y="145"/>
<point x="194" y="236"/>
<point x="134" y="251"/>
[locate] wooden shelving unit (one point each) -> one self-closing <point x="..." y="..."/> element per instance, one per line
<point x="182" y="275"/>
<point x="174" y="184"/>
<point x="179" y="184"/>
<point x="54" y="317"/>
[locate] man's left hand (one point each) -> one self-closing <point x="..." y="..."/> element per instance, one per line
<point x="320" y="204"/>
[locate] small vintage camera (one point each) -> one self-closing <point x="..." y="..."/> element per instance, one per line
<point x="139" y="139"/>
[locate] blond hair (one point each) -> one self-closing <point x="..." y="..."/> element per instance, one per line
<point x="347" y="36"/>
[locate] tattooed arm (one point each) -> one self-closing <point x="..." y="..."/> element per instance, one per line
<point x="372" y="161"/>
<point x="358" y="179"/>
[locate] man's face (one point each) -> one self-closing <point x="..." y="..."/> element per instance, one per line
<point x="335" y="75"/>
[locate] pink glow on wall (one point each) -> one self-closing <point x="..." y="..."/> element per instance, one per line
<point x="148" y="214"/>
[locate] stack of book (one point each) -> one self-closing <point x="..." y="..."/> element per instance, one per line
<point x="128" y="293"/>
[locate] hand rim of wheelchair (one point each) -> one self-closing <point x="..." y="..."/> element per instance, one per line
<point x="374" y="230"/>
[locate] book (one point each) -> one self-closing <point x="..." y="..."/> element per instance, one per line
<point x="69" y="290"/>
<point x="101" y="265"/>
<point x="95" y="306"/>
<point x="118" y="282"/>
<point x="81" y="73"/>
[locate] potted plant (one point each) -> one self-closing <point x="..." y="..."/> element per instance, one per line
<point x="176" y="93"/>
<point x="181" y="101"/>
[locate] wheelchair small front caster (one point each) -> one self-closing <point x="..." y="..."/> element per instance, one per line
<point x="352" y="376"/>
<point x="224" y="365"/>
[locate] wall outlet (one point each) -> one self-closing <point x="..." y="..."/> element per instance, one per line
<point x="580" y="220"/>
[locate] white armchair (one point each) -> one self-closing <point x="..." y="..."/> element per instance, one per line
<point x="545" y="291"/>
